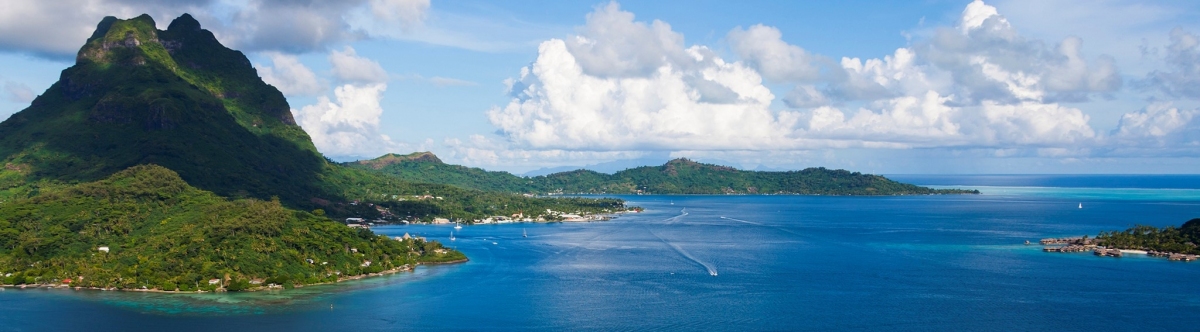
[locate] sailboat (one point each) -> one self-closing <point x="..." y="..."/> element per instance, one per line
<point x="457" y="226"/>
<point x="523" y="233"/>
<point x="1080" y="205"/>
<point x="452" y="236"/>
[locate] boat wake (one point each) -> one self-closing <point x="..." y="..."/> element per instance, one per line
<point x="672" y="220"/>
<point x="744" y="221"/>
<point x="712" y="270"/>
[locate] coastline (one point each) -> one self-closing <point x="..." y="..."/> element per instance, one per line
<point x="402" y="268"/>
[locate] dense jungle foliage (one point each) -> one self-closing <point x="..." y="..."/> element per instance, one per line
<point x="163" y="234"/>
<point x="1183" y="239"/>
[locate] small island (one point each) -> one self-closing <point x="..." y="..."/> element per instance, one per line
<point x="1173" y="243"/>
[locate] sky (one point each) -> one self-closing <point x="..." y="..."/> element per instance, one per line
<point x="892" y="87"/>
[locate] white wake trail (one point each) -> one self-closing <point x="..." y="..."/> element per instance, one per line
<point x="712" y="270"/>
<point x="745" y="221"/>
<point x="672" y="220"/>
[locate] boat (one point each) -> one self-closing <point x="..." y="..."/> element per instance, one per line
<point x="451" y="236"/>
<point x="457" y="226"/>
<point x="1080" y="205"/>
<point x="523" y="233"/>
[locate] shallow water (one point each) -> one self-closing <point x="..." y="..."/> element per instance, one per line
<point x="780" y="263"/>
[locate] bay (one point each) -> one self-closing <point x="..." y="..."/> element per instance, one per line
<point x="731" y="263"/>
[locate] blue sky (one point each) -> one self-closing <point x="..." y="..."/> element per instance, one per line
<point x="1001" y="86"/>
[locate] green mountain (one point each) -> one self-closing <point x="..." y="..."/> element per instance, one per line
<point x="179" y="99"/>
<point x="176" y="98"/>
<point x="679" y="176"/>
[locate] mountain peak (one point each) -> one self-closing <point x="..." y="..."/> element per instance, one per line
<point x="184" y="22"/>
<point x="393" y="158"/>
<point x="175" y="98"/>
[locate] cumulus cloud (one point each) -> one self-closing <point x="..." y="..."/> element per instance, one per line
<point x="558" y="105"/>
<point x="1182" y="77"/>
<point x="348" y="125"/>
<point x="18" y="92"/>
<point x="290" y="76"/>
<point x="763" y="48"/>
<point x="58" y="28"/>
<point x="972" y="86"/>
<point x="350" y="67"/>
<point x="1160" y="124"/>
<point x="982" y="58"/>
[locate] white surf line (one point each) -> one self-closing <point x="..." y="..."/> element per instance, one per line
<point x="712" y="270"/>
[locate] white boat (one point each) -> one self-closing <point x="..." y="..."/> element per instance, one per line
<point x="457" y="226"/>
<point x="451" y="236"/>
<point x="523" y="233"/>
<point x="1080" y="205"/>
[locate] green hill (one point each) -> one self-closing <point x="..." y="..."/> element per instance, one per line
<point x="679" y="176"/>
<point x="162" y="233"/>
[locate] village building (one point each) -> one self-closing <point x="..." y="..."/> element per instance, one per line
<point x="102" y="249"/>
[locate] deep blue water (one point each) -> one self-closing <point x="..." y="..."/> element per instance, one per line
<point x="1146" y="181"/>
<point x="781" y="263"/>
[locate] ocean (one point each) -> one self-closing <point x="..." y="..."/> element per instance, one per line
<point x="737" y="263"/>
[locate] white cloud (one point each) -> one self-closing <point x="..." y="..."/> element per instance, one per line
<point x="983" y="58"/>
<point x="18" y="92"/>
<point x="407" y="13"/>
<point x="969" y="87"/>
<point x="613" y="44"/>
<point x="349" y="125"/>
<point x="58" y="28"/>
<point x="1182" y="79"/>
<point x="763" y="48"/>
<point x="290" y="76"/>
<point x="350" y="67"/>
<point x="557" y="105"/>
<point x="1159" y="123"/>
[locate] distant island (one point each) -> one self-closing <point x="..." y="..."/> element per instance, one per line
<point x="1173" y="243"/>
<point x="679" y="176"/>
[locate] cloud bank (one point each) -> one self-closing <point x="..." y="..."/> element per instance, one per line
<point x="621" y="84"/>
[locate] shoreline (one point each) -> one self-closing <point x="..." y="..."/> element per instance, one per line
<point x="402" y="268"/>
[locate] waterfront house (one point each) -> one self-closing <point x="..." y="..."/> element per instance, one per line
<point x="354" y="220"/>
<point x="214" y="281"/>
<point x="441" y="221"/>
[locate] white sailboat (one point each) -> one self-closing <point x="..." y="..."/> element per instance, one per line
<point x="451" y="236"/>
<point x="1080" y="205"/>
<point x="523" y="233"/>
<point x="457" y="226"/>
